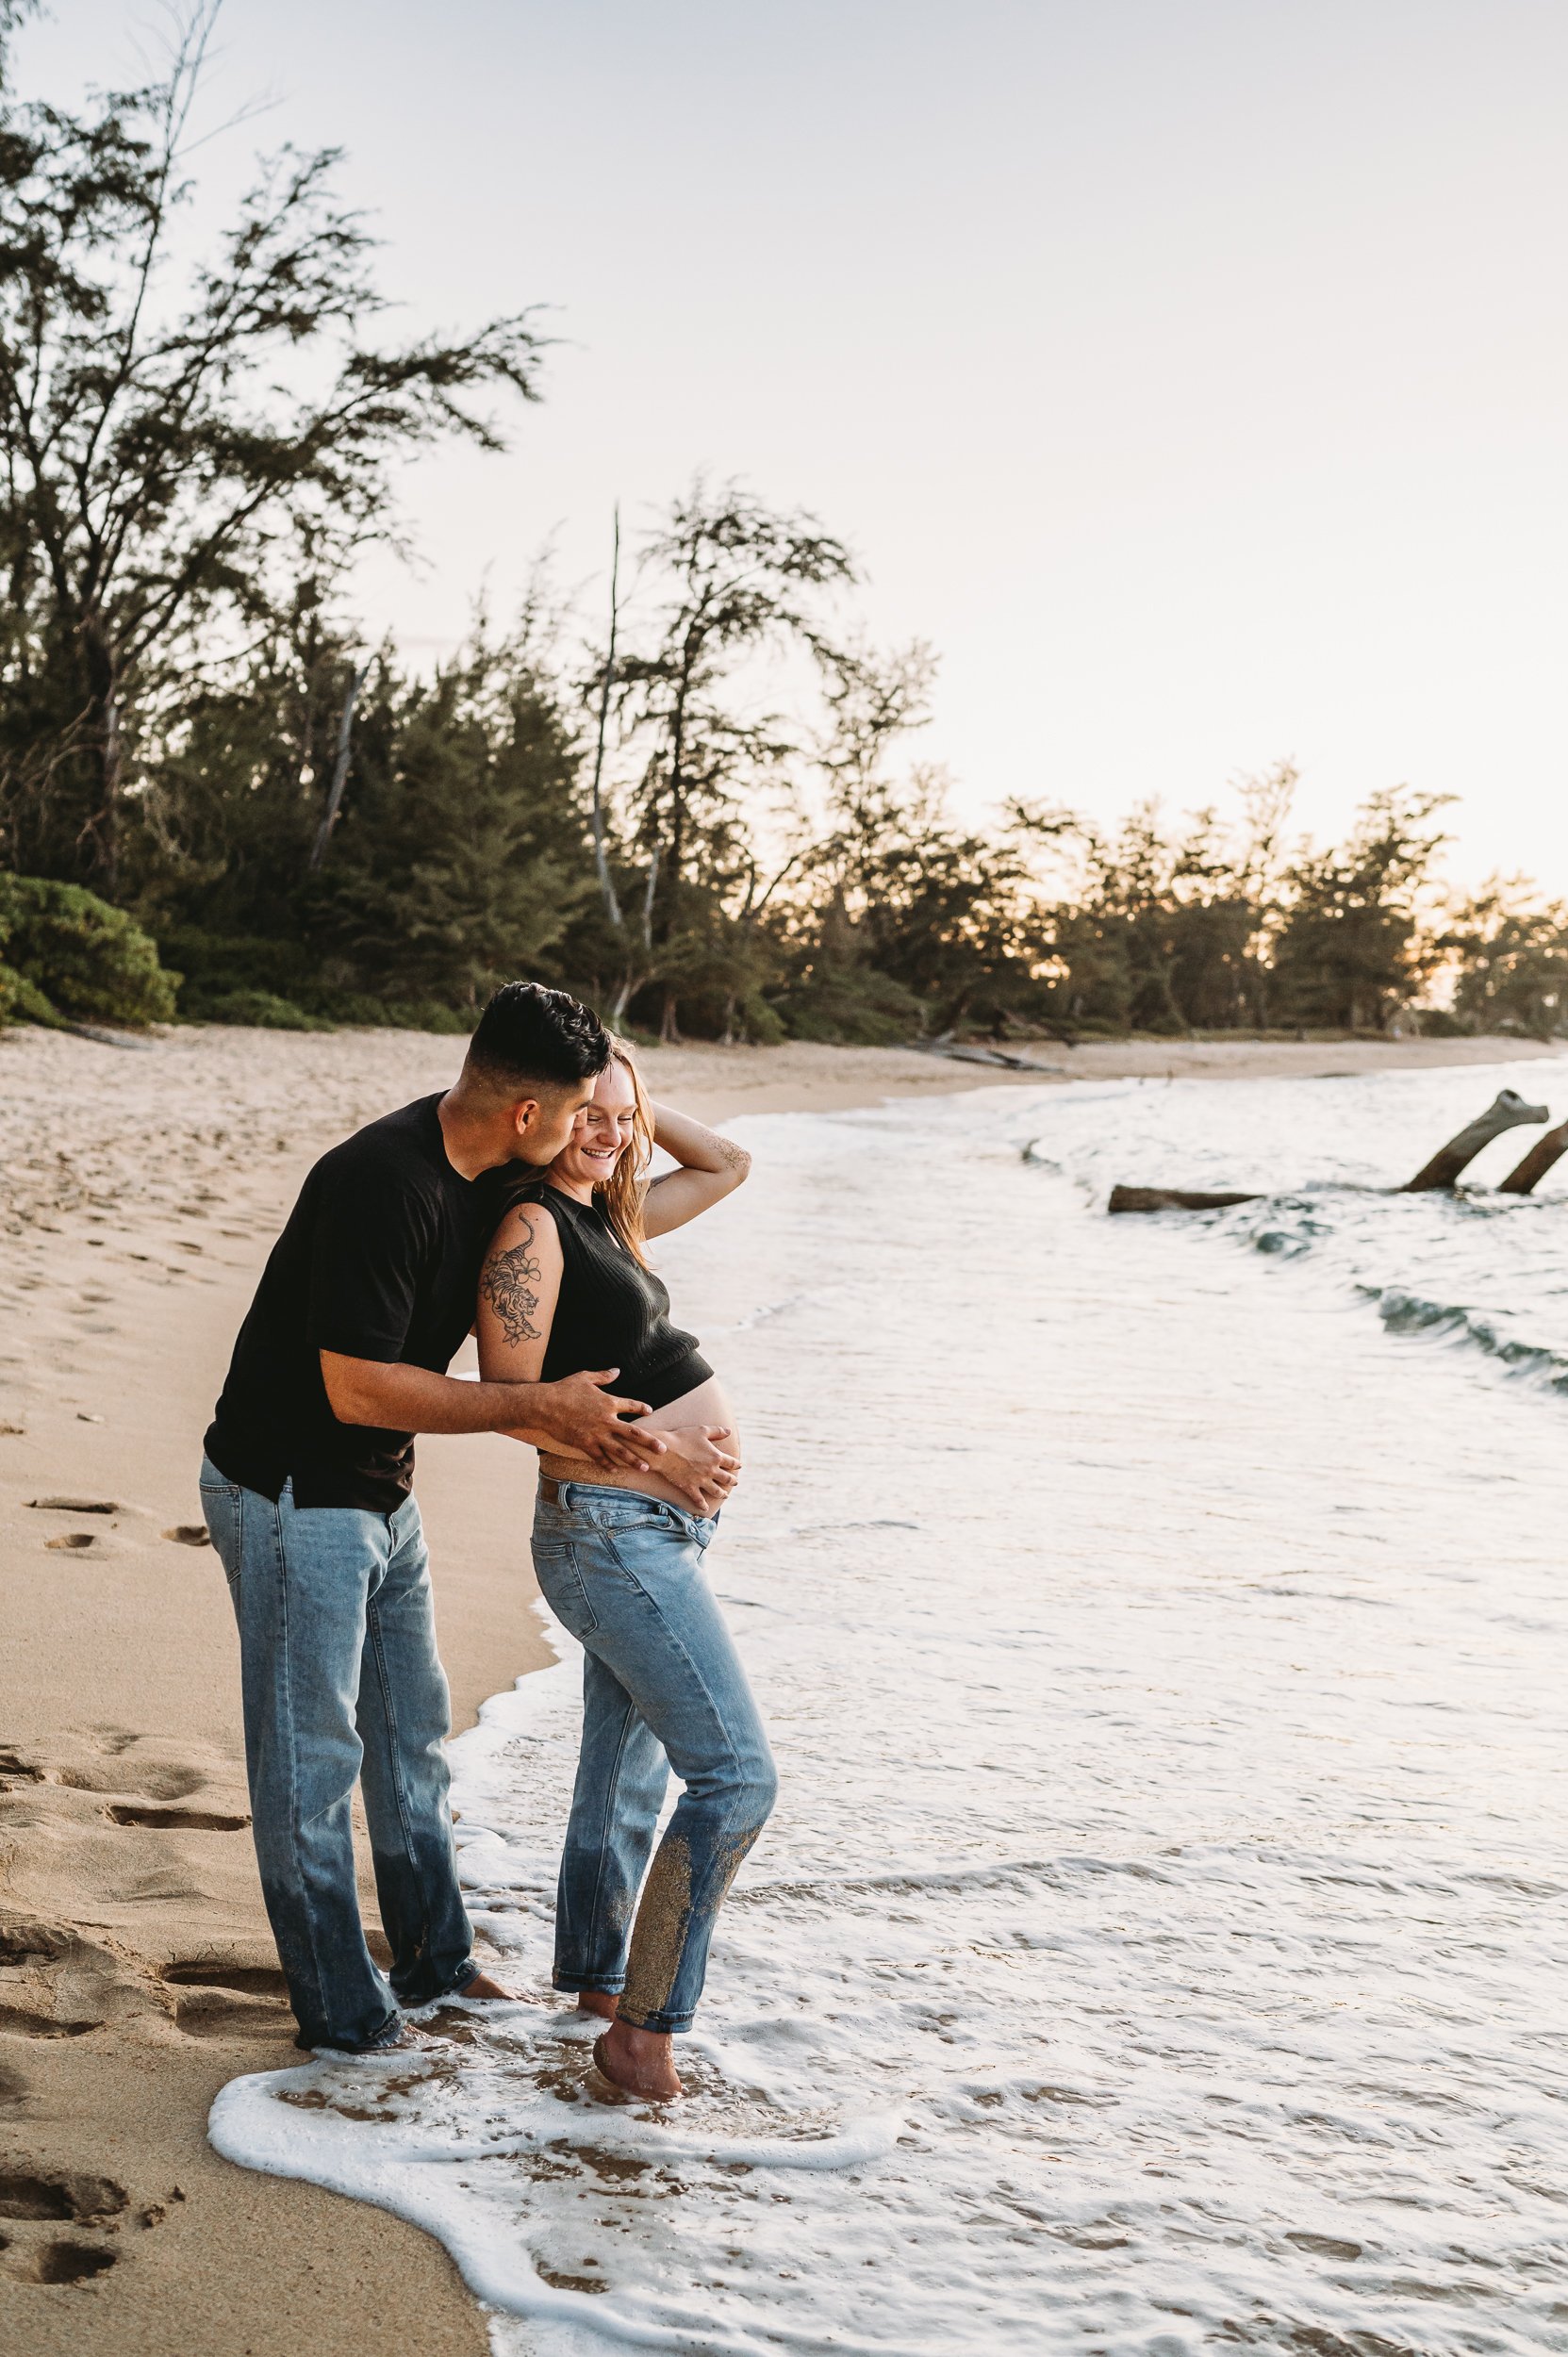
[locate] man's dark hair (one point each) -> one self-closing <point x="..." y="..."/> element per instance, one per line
<point x="530" y="1036"/>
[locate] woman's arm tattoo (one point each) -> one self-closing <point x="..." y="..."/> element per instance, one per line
<point x="507" y="1284"/>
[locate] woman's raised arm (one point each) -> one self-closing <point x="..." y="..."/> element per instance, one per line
<point x="711" y="1167"/>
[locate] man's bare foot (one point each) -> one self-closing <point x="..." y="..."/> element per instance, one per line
<point x="487" y="1990"/>
<point x="598" y="2002"/>
<point x="639" y="2062"/>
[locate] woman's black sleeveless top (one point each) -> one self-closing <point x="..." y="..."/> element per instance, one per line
<point x="612" y="1312"/>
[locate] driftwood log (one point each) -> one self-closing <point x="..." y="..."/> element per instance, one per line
<point x="996" y="1056"/>
<point x="1172" y="1199"/>
<point x="1537" y="1163"/>
<point x="1506" y="1112"/>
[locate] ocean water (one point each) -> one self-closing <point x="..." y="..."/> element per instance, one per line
<point x="1159" y="1944"/>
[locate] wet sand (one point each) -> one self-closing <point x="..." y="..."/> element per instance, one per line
<point x="139" y="1190"/>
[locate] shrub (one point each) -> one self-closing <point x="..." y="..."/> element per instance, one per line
<point x="264" y="1010"/>
<point x="852" y="1006"/>
<point x="22" y="1001"/>
<point x="88" y="960"/>
<point x="215" y="966"/>
<point x="1441" y="1023"/>
<point x="760" y="1023"/>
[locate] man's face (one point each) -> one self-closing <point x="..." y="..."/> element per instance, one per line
<point x="545" y="1123"/>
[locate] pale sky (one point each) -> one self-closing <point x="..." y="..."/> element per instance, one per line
<point x="1190" y="373"/>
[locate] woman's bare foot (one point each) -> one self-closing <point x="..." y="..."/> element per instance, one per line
<point x="597" y="2001"/>
<point x="485" y="1990"/>
<point x="639" y="2062"/>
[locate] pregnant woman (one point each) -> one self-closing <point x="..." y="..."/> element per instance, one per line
<point x="620" y="1562"/>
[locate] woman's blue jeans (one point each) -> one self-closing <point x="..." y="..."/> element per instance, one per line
<point x="661" y="1688"/>
<point x="341" y="1683"/>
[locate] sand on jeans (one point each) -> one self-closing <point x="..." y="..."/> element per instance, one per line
<point x="139" y="1191"/>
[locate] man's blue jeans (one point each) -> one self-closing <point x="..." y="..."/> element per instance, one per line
<point x="661" y="1688"/>
<point x="341" y="1683"/>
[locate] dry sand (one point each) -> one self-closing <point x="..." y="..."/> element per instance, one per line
<point x="139" y="1191"/>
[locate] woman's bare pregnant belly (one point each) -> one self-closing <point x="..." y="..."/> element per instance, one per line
<point x="706" y="1404"/>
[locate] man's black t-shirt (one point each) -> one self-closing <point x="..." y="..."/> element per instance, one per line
<point x="380" y="1259"/>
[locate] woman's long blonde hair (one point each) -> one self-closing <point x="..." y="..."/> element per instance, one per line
<point x="623" y="1192"/>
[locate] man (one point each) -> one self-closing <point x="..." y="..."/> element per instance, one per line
<point x="307" y="1488"/>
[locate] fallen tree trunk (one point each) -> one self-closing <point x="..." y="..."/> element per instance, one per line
<point x="996" y="1056"/>
<point x="1537" y="1163"/>
<point x="1172" y="1199"/>
<point x="1506" y="1112"/>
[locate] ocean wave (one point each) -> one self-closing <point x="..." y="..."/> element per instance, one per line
<point x="1405" y="1313"/>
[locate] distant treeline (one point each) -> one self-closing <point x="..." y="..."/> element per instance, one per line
<point x="697" y="808"/>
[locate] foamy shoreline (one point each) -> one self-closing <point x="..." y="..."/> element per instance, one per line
<point x="141" y="1190"/>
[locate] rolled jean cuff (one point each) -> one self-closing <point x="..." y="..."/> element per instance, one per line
<point x="587" y="1984"/>
<point x="662" y="2024"/>
<point x="381" y="2035"/>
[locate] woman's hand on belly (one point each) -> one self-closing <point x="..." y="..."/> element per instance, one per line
<point x="699" y="1464"/>
<point x="699" y="1461"/>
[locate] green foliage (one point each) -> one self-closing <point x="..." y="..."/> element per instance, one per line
<point x="173" y="466"/>
<point x="850" y="1006"/>
<point x="188" y="720"/>
<point x="263" y="1009"/>
<point x="1512" y="957"/>
<point x="463" y="854"/>
<point x="89" y="960"/>
<point x="218" y="966"/>
<point x="1352" y="948"/>
<point x="1442" y="1023"/>
<point x="22" y="1001"/>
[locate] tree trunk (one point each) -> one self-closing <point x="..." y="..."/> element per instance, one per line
<point x="1524" y="1179"/>
<point x="601" y="860"/>
<point x="340" y="769"/>
<point x="626" y="990"/>
<point x="108" y="744"/>
<point x="1172" y="1199"/>
<point x="1507" y="1110"/>
<point x="670" y="1035"/>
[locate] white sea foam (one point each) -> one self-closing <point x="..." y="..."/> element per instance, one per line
<point x="1158" y="1945"/>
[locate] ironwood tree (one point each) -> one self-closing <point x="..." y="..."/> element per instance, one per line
<point x="172" y="439"/>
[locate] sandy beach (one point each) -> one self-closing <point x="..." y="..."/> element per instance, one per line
<point x="140" y="1188"/>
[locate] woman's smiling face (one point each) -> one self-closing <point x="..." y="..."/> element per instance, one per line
<point x="603" y="1131"/>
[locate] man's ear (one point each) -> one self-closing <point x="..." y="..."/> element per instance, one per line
<point x="523" y="1114"/>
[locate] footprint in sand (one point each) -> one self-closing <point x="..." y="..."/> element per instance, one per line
<point x="212" y="1999"/>
<point x="53" y="2262"/>
<point x="158" y="1806"/>
<point x="41" y="2199"/>
<point x="76" y="1541"/>
<point x="191" y="1535"/>
<point x="112" y="1803"/>
<point x="84" y="2199"/>
<point x="56" y="1984"/>
<point x="160" y="1819"/>
<point x="119" y="1763"/>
